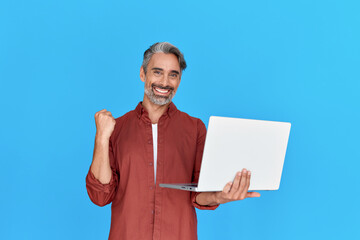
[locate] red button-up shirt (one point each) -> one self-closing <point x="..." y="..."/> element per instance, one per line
<point x="140" y="209"/>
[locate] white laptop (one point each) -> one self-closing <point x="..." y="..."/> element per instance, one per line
<point x="233" y="144"/>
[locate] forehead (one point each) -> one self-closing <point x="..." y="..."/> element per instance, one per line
<point x="166" y="61"/>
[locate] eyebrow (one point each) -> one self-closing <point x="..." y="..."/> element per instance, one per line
<point x="160" y="69"/>
<point x="157" y="69"/>
<point x="174" y="71"/>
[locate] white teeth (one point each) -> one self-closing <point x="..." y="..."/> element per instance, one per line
<point x="161" y="90"/>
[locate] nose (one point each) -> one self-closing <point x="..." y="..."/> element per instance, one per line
<point x="165" y="80"/>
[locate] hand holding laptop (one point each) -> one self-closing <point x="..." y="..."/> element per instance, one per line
<point x="235" y="143"/>
<point x="233" y="191"/>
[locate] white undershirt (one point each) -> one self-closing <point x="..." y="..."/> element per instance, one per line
<point x="155" y="138"/>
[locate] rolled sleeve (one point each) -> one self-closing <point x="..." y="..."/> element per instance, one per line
<point x="100" y="194"/>
<point x="199" y="154"/>
<point x="198" y="206"/>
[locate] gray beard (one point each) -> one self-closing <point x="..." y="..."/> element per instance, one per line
<point x="158" y="100"/>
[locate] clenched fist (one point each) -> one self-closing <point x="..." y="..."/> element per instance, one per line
<point x="105" y="124"/>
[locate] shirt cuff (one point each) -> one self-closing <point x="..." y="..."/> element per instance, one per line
<point x="96" y="185"/>
<point x="201" y="207"/>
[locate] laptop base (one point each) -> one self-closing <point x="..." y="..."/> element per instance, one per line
<point x="182" y="186"/>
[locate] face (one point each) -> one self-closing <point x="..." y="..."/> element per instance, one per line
<point x="162" y="78"/>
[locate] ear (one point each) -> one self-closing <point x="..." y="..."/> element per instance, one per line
<point x="142" y="74"/>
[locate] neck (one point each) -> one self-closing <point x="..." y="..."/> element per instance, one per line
<point x="154" y="111"/>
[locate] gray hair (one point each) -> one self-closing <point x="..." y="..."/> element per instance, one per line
<point x="163" y="47"/>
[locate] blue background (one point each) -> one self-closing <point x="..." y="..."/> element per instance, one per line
<point x="295" y="61"/>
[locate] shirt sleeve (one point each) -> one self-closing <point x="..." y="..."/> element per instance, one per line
<point x="103" y="194"/>
<point x="199" y="152"/>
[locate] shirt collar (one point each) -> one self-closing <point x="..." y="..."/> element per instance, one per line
<point x="170" y="111"/>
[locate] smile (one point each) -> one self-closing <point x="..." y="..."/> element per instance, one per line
<point x="161" y="91"/>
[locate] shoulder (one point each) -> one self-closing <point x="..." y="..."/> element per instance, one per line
<point x="194" y="121"/>
<point x="121" y="121"/>
<point x="125" y="117"/>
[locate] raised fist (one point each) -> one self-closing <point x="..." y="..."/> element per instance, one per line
<point x="105" y="124"/>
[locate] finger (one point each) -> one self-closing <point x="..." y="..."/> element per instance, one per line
<point x="253" y="194"/>
<point x="243" y="181"/>
<point x="227" y="187"/>
<point x="235" y="184"/>
<point x="246" y="188"/>
<point x="108" y="113"/>
<point x="101" y="111"/>
<point x="105" y="113"/>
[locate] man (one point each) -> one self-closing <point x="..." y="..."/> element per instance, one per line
<point x="152" y="144"/>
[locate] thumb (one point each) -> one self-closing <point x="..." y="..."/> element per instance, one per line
<point x="253" y="194"/>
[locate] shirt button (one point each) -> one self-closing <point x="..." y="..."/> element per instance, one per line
<point x="152" y="211"/>
<point x="151" y="188"/>
<point x="149" y="142"/>
<point x="150" y="163"/>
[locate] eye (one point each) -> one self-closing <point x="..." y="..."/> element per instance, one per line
<point x="173" y="75"/>
<point x="157" y="72"/>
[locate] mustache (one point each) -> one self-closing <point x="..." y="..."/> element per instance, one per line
<point x="162" y="87"/>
